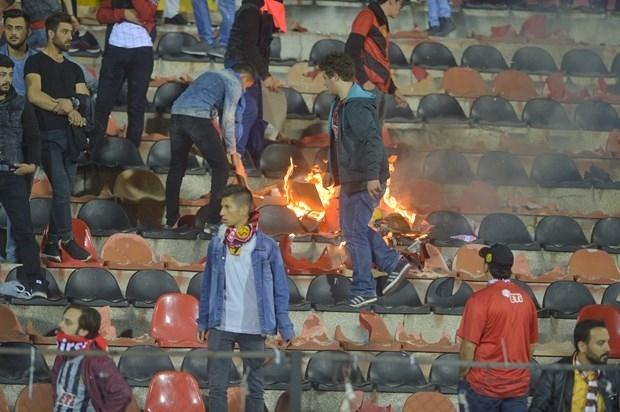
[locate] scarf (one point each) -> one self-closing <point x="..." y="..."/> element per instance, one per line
<point x="69" y="343"/>
<point x="591" y="379"/>
<point x="235" y="238"/>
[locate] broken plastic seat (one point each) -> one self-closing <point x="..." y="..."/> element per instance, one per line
<point x="146" y="286"/>
<point x="396" y="56"/>
<point x="597" y="116"/>
<point x="446" y="226"/>
<point x="41" y="399"/>
<point x="322" y="104"/>
<point x="94" y="287"/>
<point x="329" y="293"/>
<point x="171" y="390"/>
<point x="138" y="185"/>
<point x="447" y="166"/>
<point x="606" y="235"/>
<point x="593" y="266"/>
<point x="557" y="170"/>
<point x="535" y="60"/>
<point x="560" y="234"/>
<point x="483" y="58"/>
<point x="507" y="229"/>
<point x="313" y="336"/>
<point x="129" y="252"/>
<point x="565" y="298"/>
<point x="468" y="265"/>
<point x="611" y="295"/>
<point x="393" y="372"/>
<point x="173" y="324"/>
<point x="432" y="55"/>
<point x="11" y="329"/>
<point x="160" y="155"/>
<point x="502" y="169"/>
<point x="444" y="299"/>
<point x="415" y="342"/>
<point x="404" y="301"/>
<point x="379" y="337"/>
<point x="323" y="48"/>
<point x="611" y="316"/>
<point x="15" y="368"/>
<point x="81" y="236"/>
<point x="195" y="363"/>
<point x="328" y="374"/>
<point x="277" y="376"/>
<point x="104" y="217"/>
<point x="445" y="377"/>
<point x="276" y="159"/>
<point x="296" y="302"/>
<point x="494" y="110"/>
<point x="278" y="220"/>
<point x="325" y="264"/>
<point x="54" y="295"/>
<point x="138" y="364"/>
<point x="275" y="54"/>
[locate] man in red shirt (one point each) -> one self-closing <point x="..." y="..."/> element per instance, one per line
<point x="499" y="324"/>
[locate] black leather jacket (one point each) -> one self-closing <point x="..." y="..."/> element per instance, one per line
<point x="554" y="390"/>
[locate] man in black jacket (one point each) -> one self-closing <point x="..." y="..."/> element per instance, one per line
<point x="358" y="163"/>
<point x="20" y="152"/>
<point x="588" y="391"/>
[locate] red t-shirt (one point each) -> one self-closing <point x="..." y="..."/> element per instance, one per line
<point x="501" y="320"/>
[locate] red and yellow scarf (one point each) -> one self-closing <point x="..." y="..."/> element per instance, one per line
<point x="236" y="237"/>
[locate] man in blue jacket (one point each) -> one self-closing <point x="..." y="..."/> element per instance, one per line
<point x="358" y="163"/>
<point x="244" y="297"/>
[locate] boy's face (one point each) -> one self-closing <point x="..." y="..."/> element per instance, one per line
<point x="331" y="83"/>
<point x="16" y="31"/>
<point x="394" y="7"/>
<point x="232" y="213"/>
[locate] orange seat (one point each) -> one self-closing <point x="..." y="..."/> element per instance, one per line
<point x="313" y="336"/>
<point x="83" y="237"/>
<point x="129" y="251"/>
<point x="514" y="85"/>
<point x="42" y="399"/>
<point x="173" y="324"/>
<point x="428" y="402"/>
<point x="468" y="264"/>
<point x="174" y="391"/>
<point x="4" y="405"/>
<point x="11" y="329"/>
<point x="464" y="82"/>
<point x="379" y="337"/>
<point x="611" y="316"/>
<point x="593" y="266"/>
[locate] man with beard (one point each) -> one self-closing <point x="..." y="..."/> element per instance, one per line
<point x="581" y="391"/>
<point x="53" y="85"/>
<point x="20" y="151"/>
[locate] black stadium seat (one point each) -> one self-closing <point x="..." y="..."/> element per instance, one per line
<point x="440" y="108"/>
<point x="276" y="159"/>
<point x="557" y="170"/>
<point x="403" y="301"/>
<point x="542" y="313"/>
<point x="432" y="56"/>
<point x="277" y="376"/>
<point x="560" y="234"/>
<point x="565" y="298"/>
<point x="445" y="377"/>
<point x="330" y="293"/>
<point x="54" y="295"/>
<point x="195" y="285"/>
<point x="447" y="224"/>
<point x="94" y="287"/>
<point x="40" y="208"/>
<point x="145" y="286"/>
<point x="278" y="220"/>
<point x="545" y="113"/>
<point x="296" y="107"/>
<point x="171" y="44"/>
<point x="166" y="94"/>
<point x="15" y="368"/>
<point x="583" y="62"/>
<point x="324" y="48"/>
<point x="442" y="299"/>
<point x="447" y="166"/>
<point x="483" y="58"/>
<point x="494" y="110"/>
<point x="397" y="114"/>
<point x="328" y="374"/>
<point x="611" y="294"/>
<point x="535" y="60"/>
<point x="507" y="229"/>
<point x="615" y="66"/>
<point x="159" y="157"/>
<point x="396" y="56"/>
<point x="606" y="234"/>
<point x="118" y="152"/>
<point x="502" y="168"/>
<point x="295" y="300"/>
<point x="104" y="217"/>
<point x="322" y="104"/>
<point x="392" y="372"/>
<point x="195" y="362"/>
<point x="597" y="116"/>
<point x="138" y="364"/>
<point x="275" y="54"/>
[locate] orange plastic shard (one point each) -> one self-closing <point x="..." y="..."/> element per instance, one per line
<point x="468" y="264"/>
<point x="11" y="329"/>
<point x="173" y="324"/>
<point x="42" y="399"/>
<point x="415" y="341"/>
<point x="129" y="251"/>
<point x="323" y="265"/>
<point x="464" y="82"/>
<point x="173" y="264"/>
<point x="379" y="338"/>
<point x="313" y="336"/>
<point x="174" y="391"/>
<point x="514" y="85"/>
<point x="593" y="266"/>
<point x="41" y="187"/>
<point x="434" y="261"/>
<point x="428" y="402"/>
<point x="83" y="237"/>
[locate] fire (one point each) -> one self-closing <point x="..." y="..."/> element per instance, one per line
<point x="391" y="202"/>
<point x="298" y="206"/>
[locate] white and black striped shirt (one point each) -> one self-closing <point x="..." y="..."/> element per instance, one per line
<point x="71" y="394"/>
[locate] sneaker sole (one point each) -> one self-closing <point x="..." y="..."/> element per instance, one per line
<point x="364" y="303"/>
<point x="51" y="257"/>
<point x="192" y="53"/>
<point x="390" y="287"/>
<point x="39" y="295"/>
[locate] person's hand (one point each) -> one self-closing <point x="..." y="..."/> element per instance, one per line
<point x="272" y="83"/>
<point x="400" y="99"/>
<point x="132" y="17"/>
<point x="63" y="107"/>
<point x="185" y="78"/>
<point x="368" y="86"/>
<point x="75" y="23"/>
<point x="24" y="168"/>
<point x="201" y="336"/>
<point x="76" y="119"/>
<point x="374" y="189"/>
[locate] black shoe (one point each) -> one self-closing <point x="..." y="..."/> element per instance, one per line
<point x="359" y="301"/>
<point x="447" y="25"/>
<point x="177" y="20"/>
<point x="75" y="251"/>
<point x="396" y="276"/>
<point x="51" y="251"/>
<point x="39" y="289"/>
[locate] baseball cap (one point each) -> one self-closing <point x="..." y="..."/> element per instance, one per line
<point x="497" y="254"/>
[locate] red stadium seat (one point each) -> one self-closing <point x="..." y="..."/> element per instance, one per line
<point x="428" y="402"/>
<point x="593" y="266"/>
<point x="42" y="399"/>
<point x="129" y="251"/>
<point x="464" y="82"/>
<point x="11" y="329"/>
<point x="174" y="391"/>
<point x="514" y="85"/>
<point x="173" y="324"/>
<point x="82" y="236"/>
<point x="468" y="264"/>
<point x="611" y="316"/>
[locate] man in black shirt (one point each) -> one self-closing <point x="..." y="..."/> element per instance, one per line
<point x="52" y="86"/>
<point x="20" y="151"/>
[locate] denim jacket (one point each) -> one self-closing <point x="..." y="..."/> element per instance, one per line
<point x="212" y="93"/>
<point x="272" y="293"/>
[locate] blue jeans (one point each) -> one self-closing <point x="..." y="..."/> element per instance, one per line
<point x="364" y="244"/>
<point x="203" y="20"/>
<point x="218" y="369"/>
<point x="471" y="401"/>
<point x="11" y="246"/>
<point x="252" y="134"/>
<point x="437" y="9"/>
<point x="60" y="171"/>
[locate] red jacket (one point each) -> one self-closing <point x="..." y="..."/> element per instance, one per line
<point x="106" y="388"/>
<point x="145" y="9"/>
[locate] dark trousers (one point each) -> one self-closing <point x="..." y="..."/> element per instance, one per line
<point x="218" y="369"/>
<point x="60" y="171"/>
<point x="381" y="108"/>
<point x="14" y="199"/>
<point x="185" y="131"/>
<point x="119" y="65"/>
<point x="472" y="401"/>
<point x="253" y="135"/>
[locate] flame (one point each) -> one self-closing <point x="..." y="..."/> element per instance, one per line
<point x="391" y="202"/>
<point x="298" y="206"/>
